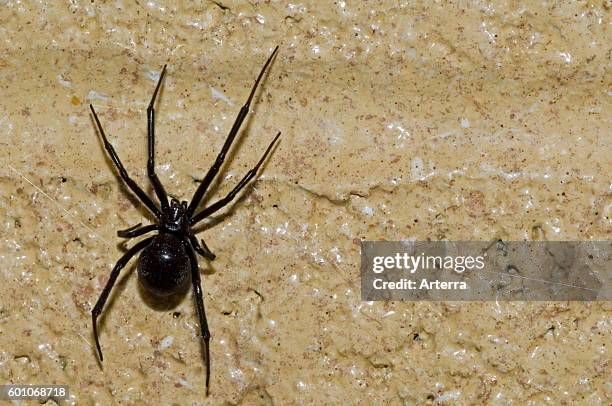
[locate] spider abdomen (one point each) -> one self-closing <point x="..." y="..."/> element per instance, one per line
<point x="163" y="266"/>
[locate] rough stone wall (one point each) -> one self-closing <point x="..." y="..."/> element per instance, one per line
<point x="422" y="119"/>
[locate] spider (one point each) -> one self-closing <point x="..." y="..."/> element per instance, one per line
<point x="168" y="257"/>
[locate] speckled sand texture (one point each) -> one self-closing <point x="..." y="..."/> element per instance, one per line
<point x="465" y="120"/>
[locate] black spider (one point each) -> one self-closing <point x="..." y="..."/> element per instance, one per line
<point x="168" y="257"/>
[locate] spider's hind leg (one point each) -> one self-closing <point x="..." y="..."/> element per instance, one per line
<point x="197" y="292"/>
<point x="109" y="286"/>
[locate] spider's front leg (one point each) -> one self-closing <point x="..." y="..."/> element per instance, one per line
<point x="157" y="185"/>
<point x="214" y="169"/>
<point x="144" y="198"/>
<point x="221" y="203"/>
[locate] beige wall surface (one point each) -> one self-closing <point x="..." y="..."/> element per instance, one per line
<point x="464" y="120"/>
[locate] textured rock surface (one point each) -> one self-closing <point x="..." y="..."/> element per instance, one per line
<point x="454" y="120"/>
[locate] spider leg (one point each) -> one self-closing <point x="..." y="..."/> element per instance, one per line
<point x="157" y="185"/>
<point x="197" y="292"/>
<point x="219" y="204"/>
<point x="144" y="198"/>
<point x="136" y="230"/>
<point x="203" y="249"/>
<point x="109" y="286"/>
<point x="214" y="169"/>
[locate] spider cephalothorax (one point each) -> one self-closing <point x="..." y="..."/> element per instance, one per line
<point x="169" y="257"/>
<point x="174" y="218"/>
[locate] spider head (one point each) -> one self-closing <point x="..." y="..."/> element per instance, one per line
<point x="175" y="203"/>
<point x="174" y="218"/>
